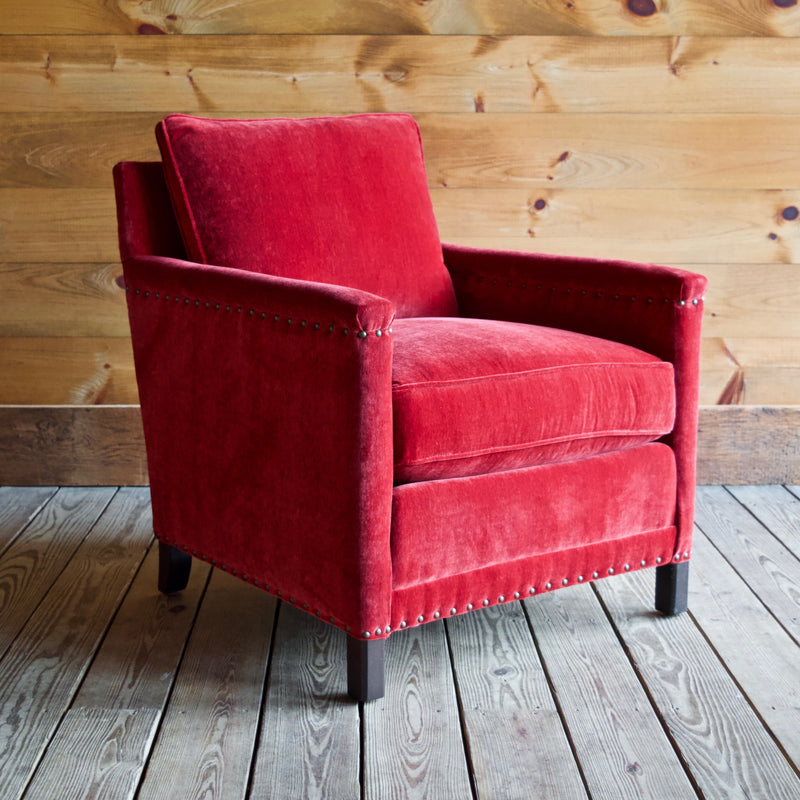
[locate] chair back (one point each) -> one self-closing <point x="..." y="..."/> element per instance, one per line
<point x="338" y="200"/>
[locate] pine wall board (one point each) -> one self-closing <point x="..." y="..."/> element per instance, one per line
<point x="657" y="130"/>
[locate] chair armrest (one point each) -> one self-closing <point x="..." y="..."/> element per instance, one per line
<point x="657" y="309"/>
<point x="266" y="405"/>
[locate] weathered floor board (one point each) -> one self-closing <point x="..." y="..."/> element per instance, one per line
<point x="720" y="738"/>
<point x="310" y="735"/>
<point x="516" y="739"/>
<point x="108" y="689"/>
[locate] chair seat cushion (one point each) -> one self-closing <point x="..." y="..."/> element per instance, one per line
<point x="473" y="396"/>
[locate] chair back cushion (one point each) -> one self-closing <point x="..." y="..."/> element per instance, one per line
<point x="340" y="200"/>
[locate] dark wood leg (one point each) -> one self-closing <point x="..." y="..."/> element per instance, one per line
<point x="173" y="569"/>
<point x="672" y="588"/>
<point x="365" y="661"/>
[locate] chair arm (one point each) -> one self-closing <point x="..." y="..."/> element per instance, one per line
<point x="266" y="405"/>
<point x="657" y="309"/>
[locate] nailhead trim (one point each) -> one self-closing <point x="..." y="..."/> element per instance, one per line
<point x="253" y="313"/>
<point x="680" y="303"/>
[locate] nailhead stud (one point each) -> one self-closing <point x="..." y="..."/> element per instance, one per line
<point x="403" y="624"/>
<point x="627" y="567"/>
<point x="565" y="582"/>
<point x="532" y="590"/>
<point x="643" y="563"/>
<point x="378" y="631"/>
<point x="516" y="595"/>
<point x="595" y="574"/>
<point x="485" y="603"/>
<point x="548" y="585"/>
<point x="362" y="334"/>
<point x="580" y="578"/>
<point x="659" y="560"/>
<point x="611" y="570"/>
<point x="686" y="555"/>
<point x="453" y="612"/>
<point x="420" y="618"/>
<point x="365" y="634"/>
<point x="436" y="615"/>
<point x="501" y="599"/>
<point x="469" y="606"/>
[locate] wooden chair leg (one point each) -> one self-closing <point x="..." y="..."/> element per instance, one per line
<point x="365" y="673"/>
<point x="173" y="569"/>
<point x="672" y="588"/>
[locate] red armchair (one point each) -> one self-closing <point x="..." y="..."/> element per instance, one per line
<point x="378" y="428"/>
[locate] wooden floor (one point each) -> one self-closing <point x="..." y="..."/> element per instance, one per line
<point x="108" y="690"/>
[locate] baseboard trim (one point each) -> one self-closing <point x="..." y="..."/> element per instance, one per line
<point x="743" y="445"/>
<point x="72" y="446"/>
<point x="104" y="445"/>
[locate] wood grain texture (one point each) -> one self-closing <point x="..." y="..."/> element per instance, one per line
<point x="35" y="559"/>
<point x="764" y="564"/>
<point x="417" y="721"/>
<point x="136" y="664"/>
<point x="749" y="444"/>
<point x="602" y="702"/>
<point x="69" y="370"/>
<point x="335" y="74"/>
<point x="18" y="506"/>
<point x="750" y="641"/>
<point x="719" y="735"/>
<point x="514" y="735"/>
<point x="751" y="301"/>
<point x="601" y="18"/>
<point x="45" y="664"/>
<point x="676" y="227"/>
<point x="738" y="371"/>
<point x="59" y="300"/>
<point x="776" y="508"/>
<point x="309" y="744"/>
<point x="72" y="445"/>
<point x="624" y="150"/>
<point x="206" y="740"/>
<point x="96" y="754"/>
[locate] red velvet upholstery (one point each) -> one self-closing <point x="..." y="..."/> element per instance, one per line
<point x="318" y="199"/>
<point x="319" y="420"/>
<point x="473" y="396"/>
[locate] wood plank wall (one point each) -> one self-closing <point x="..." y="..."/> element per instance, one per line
<point x="662" y="130"/>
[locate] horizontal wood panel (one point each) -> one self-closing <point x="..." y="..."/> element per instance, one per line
<point x="69" y="370"/>
<point x="679" y="227"/>
<point x="104" y="445"/>
<point x="746" y="301"/>
<point x="599" y="18"/>
<point x="757" y="371"/>
<point x="62" y="300"/>
<point x="751" y="300"/>
<point x="99" y="370"/>
<point x="620" y="151"/>
<point x="338" y="74"/>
